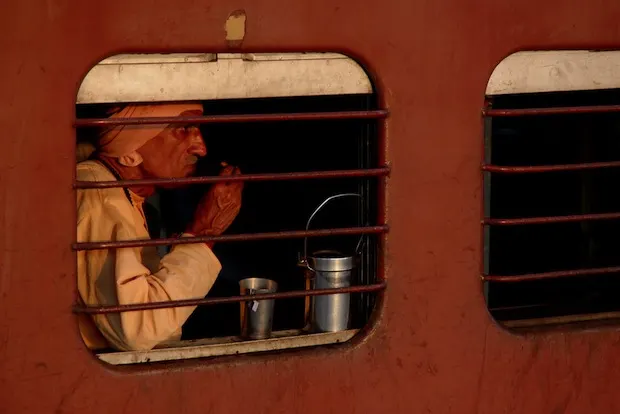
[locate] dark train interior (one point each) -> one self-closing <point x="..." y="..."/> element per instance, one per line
<point x="277" y="147"/>
<point x="534" y="248"/>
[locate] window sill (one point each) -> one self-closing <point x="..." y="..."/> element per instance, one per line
<point x="231" y="345"/>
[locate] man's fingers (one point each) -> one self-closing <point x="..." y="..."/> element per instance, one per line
<point x="228" y="170"/>
<point x="239" y="184"/>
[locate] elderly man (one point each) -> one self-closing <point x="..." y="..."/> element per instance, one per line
<point x="139" y="275"/>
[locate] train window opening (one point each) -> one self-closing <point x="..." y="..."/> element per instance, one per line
<point x="296" y="152"/>
<point x="552" y="214"/>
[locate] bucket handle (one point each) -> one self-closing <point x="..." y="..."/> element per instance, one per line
<point x="304" y="259"/>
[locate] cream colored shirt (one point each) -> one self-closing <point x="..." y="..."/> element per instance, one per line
<point x="132" y="275"/>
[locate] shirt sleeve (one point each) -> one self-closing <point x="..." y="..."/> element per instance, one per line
<point x="118" y="276"/>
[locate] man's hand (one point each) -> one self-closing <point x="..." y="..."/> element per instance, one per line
<point x="219" y="207"/>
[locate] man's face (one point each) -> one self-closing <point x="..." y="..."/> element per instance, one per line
<point x="173" y="153"/>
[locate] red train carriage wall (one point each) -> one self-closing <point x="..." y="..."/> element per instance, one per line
<point x="309" y="207"/>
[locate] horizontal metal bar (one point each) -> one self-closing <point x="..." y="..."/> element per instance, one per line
<point x="568" y="110"/>
<point x="367" y="172"/>
<point x="558" y="320"/>
<point x="219" y="119"/>
<point x="231" y="238"/>
<point x="518" y="307"/>
<point x="549" y="168"/>
<point x="232" y="299"/>
<point x="551" y="275"/>
<point x="550" y="219"/>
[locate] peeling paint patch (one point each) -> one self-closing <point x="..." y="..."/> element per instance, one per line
<point x="235" y="28"/>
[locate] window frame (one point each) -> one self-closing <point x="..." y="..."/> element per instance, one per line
<point x="280" y="340"/>
<point x="533" y="72"/>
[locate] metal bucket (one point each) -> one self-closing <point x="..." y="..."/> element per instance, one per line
<point x="257" y="315"/>
<point x="331" y="270"/>
<point x="328" y="269"/>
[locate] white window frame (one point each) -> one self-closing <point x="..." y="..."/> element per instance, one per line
<point x="555" y="71"/>
<point x="208" y="76"/>
<point x="528" y="72"/>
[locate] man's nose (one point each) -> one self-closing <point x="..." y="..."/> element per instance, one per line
<point x="197" y="145"/>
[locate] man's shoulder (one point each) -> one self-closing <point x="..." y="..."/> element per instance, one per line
<point x="93" y="171"/>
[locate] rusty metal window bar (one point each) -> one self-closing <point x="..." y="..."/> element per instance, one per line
<point x="370" y="281"/>
<point x="551" y="208"/>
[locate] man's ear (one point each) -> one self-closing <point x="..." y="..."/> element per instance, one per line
<point x="133" y="159"/>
